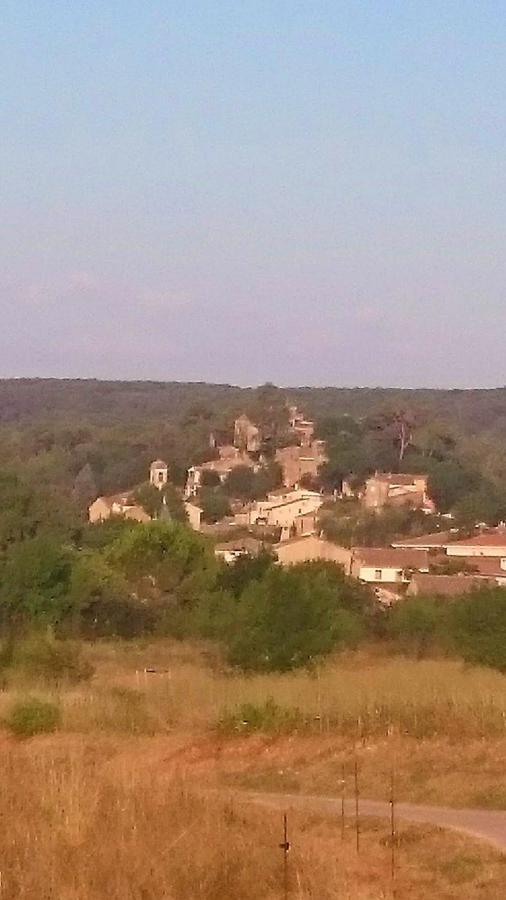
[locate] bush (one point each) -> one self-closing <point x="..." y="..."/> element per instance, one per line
<point x="44" y="658"/>
<point x="267" y="718"/>
<point x="292" y="617"/>
<point x="418" y="624"/>
<point x="32" y="716"/>
<point x="478" y="627"/>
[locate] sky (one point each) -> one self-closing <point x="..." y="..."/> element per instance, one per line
<point x="265" y="190"/>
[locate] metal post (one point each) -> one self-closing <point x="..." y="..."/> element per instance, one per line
<point x="357" y="819"/>
<point x="393" y="835"/>
<point x="343" y="790"/>
<point x="285" y="846"/>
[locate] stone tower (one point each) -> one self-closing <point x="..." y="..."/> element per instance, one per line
<point x="158" y="473"/>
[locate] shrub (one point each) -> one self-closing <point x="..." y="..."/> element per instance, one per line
<point x="268" y="718"/>
<point x="32" y="716"/>
<point x="418" y="624"/>
<point x="47" y="659"/>
<point x="478" y="627"/>
<point x="293" y="617"/>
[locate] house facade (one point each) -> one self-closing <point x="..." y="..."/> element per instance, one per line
<point x="310" y="548"/>
<point x="487" y="544"/>
<point x="247" y="436"/>
<point x="116" y="505"/>
<point x="294" y="512"/>
<point x="158" y="474"/>
<point x="297" y="462"/>
<point x="231" y="458"/>
<point x="382" y="565"/>
<point x="387" y="489"/>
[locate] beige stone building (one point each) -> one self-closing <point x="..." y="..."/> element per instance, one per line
<point x="296" y="462"/>
<point x="302" y="427"/>
<point x="194" y="515"/>
<point x="293" y="511"/>
<point x="247" y="436"/>
<point x="230" y="458"/>
<point x="158" y="474"/>
<point x="386" y="566"/>
<point x="230" y="551"/>
<point x="310" y="548"/>
<point x="124" y="504"/>
<point x="488" y="544"/>
<point x="117" y="505"/>
<point x="387" y="489"/>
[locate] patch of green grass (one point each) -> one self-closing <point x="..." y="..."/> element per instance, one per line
<point x="43" y="658"/>
<point x="266" y="718"/>
<point x="32" y="716"/>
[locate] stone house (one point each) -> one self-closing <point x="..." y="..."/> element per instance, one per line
<point x="387" y="489"/>
<point x="382" y="565"/>
<point x="296" y="462"/>
<point x="117" y="505"/>
<point x="302" y="427"/>
<point x="222" y="467"/>
<point x="488" y="544"/>
<point x="247" y="436"/>
<point x="294" y="512"/>
<point x="310" y="548"/>
<point x="158" y="474"/>
<point x="194" y="515"/>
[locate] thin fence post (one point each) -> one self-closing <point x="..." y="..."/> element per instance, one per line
<point x="393" y="835"/>
<point x="285" y="846"/>
<point x="343" y="790"/>
<point x="357" y="818"/>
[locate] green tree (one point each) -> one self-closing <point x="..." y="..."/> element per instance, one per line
<point x="84" y="490"/>
<point x="450" y="482"/>
<point x="210" y="478"/>
<point x="36" y="581"/>
<point x="478" y="627"/>
<point x="150" y="498"/>
<point x="240" y="483"/>
<point x="291" y="618"/>
<point x="214" y="504"/>
<point x="164" y="561"/>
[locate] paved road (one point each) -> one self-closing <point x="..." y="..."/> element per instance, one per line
<point x="486" y="825"/>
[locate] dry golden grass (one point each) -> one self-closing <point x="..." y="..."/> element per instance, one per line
<point x="79" y="824"/>
<point x="359" y="694"/>
<point x="440" y="724"/>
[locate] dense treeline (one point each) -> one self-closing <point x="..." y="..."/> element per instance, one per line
<point x="62" y="443"/>
<point x="35" y="400"/>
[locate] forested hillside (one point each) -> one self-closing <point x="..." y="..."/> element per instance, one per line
<point x="33" y="400"/>
<point x="52" y="429"/>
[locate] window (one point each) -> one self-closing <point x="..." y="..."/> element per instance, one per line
<point x="377" y="574"/>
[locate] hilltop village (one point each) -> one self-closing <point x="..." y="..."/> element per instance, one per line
<point x="260" y="492"/>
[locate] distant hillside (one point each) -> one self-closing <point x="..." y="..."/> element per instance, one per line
<point x="34" y="400"/>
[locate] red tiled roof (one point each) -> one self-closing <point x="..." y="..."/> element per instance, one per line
<point x="436" y="539"/>
<point x="487" y="539"/>
<point x="386" y="557"/>
<point x="396" y="478"/>
<point x="486" y="565"/>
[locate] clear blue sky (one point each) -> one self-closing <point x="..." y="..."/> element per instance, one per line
<point x="303" y="192"/>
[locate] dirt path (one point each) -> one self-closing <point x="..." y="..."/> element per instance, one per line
<point x="486" y="825"/>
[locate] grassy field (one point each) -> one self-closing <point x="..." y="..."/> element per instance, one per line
<point x="121" y="799"/>
<point x="77" y="826"/>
